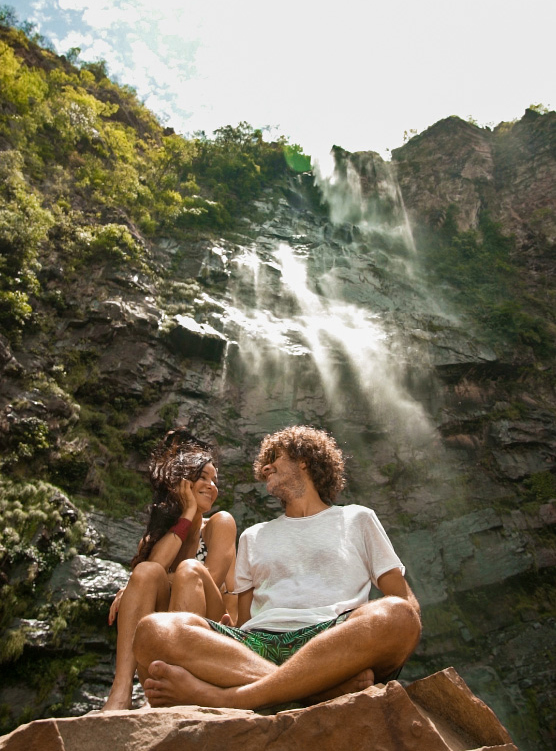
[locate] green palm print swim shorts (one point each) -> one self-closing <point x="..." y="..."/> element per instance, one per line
<point x="276" y="646"/>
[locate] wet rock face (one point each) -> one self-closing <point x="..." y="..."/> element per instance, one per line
<point x="191" y="339"/>
<point x="85" y="576"/>
<point x="315" y="317"/>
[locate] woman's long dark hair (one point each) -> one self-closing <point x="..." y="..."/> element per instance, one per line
<point x="178" y="456"/>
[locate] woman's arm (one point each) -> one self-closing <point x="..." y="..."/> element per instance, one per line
<point x="167" y="548"/>
<point x="244" y="606"/>
<point x="220" y="539"/>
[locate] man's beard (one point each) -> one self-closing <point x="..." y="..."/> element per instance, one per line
<point x="290" y="490"/>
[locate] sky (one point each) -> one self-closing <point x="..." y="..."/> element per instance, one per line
<point x="355" y="73"/>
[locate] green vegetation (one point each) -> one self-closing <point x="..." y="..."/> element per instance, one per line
<point x="88" y="176"/>
<point x="77" y="151"/>
<point x="481" y="268"/>
<point x="540" y="109"/>
<point x="541" y="488"/>
<point x="107" y="146"/>
<point x="24" y="226"/>
<point x="296" y="159"/>
<point x="40" y="528"/>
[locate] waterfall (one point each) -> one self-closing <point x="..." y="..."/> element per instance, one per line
<point x="314" y="321"/>
<point x="352" y="352"/>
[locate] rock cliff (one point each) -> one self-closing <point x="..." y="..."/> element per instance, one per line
<point x="406" y="306"/>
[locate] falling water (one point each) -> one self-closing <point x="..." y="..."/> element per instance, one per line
<point x="305" y="339"/>
<point x="342" y="187"/>
<point x="346" y="339"/>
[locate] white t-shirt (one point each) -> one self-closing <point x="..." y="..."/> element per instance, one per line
<point x="306" y="570"/>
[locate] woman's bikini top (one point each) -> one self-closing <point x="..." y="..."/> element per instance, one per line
<point x="202" y="552"/>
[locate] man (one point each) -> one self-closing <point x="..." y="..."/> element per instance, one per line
<point x="303" y="581"/>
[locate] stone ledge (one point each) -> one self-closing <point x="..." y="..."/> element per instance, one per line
<point x="438" y="713"/>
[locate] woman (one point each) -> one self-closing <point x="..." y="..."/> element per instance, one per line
<point x="184" y="562"/>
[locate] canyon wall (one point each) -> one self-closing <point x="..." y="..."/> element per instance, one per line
<point x="367" y="302"/>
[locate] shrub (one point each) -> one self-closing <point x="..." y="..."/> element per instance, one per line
<point x="24" y="226"/>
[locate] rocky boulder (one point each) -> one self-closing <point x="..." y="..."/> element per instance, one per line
<point x="510" y="170"/>
<point x="438" y="713"/>
<point x="191" y="339"/>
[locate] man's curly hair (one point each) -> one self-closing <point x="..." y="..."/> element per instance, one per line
<point x="320" y="452"/>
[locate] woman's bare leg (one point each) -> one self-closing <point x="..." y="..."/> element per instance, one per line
<point x="194" y="591"/>
<point x="147" y="591"/>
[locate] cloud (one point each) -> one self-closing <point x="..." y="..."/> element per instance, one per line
<point x="357" y="74"/>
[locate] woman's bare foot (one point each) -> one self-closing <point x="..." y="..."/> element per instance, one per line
<point x="117" y="699"/>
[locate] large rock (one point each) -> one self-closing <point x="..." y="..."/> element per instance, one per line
<point x="86" y="576"/>
<point x="191" y="339"/>
<point x="513" y="169"/>
<point x="118" y="538"/>
<point x="438" y="713"/>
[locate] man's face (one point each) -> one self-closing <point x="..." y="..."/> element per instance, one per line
<point x="284" y="477"/>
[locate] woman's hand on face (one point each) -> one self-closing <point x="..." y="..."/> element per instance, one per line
<point x="187" y="499"/>
<point x="115" y="606"/>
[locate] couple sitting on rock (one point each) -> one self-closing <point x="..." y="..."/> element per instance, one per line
<point x="303" y="628"/>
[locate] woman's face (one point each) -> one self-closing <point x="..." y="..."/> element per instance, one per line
<point x="205" y="489"/>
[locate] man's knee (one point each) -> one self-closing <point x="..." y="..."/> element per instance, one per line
<point x="395" y="614"/>
<point x="151" y="630"/>
<point x="406" y="618"/>
<point x="158" y="629"/>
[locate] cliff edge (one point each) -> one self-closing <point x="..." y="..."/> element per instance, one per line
<point x="437" y="713"/>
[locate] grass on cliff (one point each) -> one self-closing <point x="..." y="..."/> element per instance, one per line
<point x="88" y="176"/>
<point x="86" y="167"/>
<point x="482" y="268"/>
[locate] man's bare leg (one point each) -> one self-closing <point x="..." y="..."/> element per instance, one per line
<point x="385" y="633"/>
<point x="187" y="641"/>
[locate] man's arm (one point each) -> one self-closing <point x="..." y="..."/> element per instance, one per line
<point x="393" y="583"/>
<point x="244" y="606"/>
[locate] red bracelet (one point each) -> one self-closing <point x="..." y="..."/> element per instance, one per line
<point x="181" y="528"/>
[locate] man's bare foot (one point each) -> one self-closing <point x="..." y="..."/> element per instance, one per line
<point x="358" y="682"/>
<point x="172" y="685"/>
